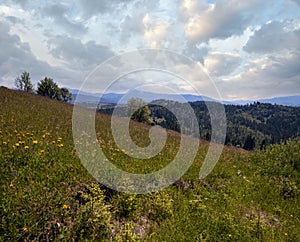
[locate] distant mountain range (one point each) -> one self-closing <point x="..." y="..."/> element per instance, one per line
<point x="92" y="99"/>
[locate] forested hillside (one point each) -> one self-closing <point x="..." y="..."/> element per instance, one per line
<point x="248" y="126"/>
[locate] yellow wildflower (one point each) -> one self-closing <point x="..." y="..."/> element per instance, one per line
<point x="25" y="229"/>
<point x="11" y="185"/>
<point x="42" y="151"/>
<point x="286" y="234"/>
<point x="5" y="143"/>
<point x="65" y="206"/>
<point x="60" y="145"/>
<point x="35" y="142"/>
<point x="44" y="136"/>
<point x="26" y="147"/>
<point x="17" y="144"/>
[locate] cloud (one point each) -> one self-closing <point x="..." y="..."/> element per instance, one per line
<point x="286" y="66"/>
<point x="221" y="64"/>
<point x="13" y="20"/>
<point x="155" y="32"/>
<point x="21" y="3"/>
<point x="16" y="57"/>
<point x="196" y="52"/>
<point x="15" y="54"/>
<point x="220" y="20"/>
<point x="265" y="77"/>
<point x="58" y="13"/>
<point x="95" y="7"/>
<point x="77" y="54"/>
<point x="134" y="24"/>
<point x="297" y="1"/>
<point x="274" y="36"/>
<point x="249" y="47"/>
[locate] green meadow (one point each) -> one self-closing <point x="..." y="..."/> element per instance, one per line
<point x="46" y="194"/>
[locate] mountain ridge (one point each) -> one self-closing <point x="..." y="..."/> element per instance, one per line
<point x="113" y="98"/>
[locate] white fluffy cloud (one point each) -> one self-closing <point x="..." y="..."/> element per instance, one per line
<point x="221" y="64"/>
<point x="220" y="20"/>
<point x="155" y="32"/>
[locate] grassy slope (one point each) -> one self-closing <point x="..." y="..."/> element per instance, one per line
<point x="47" y="194"/>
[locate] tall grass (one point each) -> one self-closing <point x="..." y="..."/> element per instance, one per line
<point x="46" y="193"/>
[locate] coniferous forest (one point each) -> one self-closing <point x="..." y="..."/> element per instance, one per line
<point x="252" y="126"/>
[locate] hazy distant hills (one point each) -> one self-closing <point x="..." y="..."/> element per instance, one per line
<point x="286" y="101"/>
<point x="112" y="98"/>
<point x="92" y="99"/>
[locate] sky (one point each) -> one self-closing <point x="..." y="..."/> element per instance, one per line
<point x="248" y="49"/>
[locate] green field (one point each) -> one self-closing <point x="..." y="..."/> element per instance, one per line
<point x="47" y="194"/>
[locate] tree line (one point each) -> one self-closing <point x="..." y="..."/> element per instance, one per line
<point x="46" y="87"/>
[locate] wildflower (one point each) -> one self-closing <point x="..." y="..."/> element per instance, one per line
<point x="17" y="144"/>
<point x="4" y="143"/>
<point x="65" y="206"/>
<point x="53" y="142"/>
<point x="60" y="145"/>
<point x="25" y="229"/>
<point x="44" y="136"/>
<point x="35" y="142"/>
<point x="286" y="234"/>
<point x="11" y="185"/>
<point x="26" y="147"/>
<point x="42" y="151"/>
